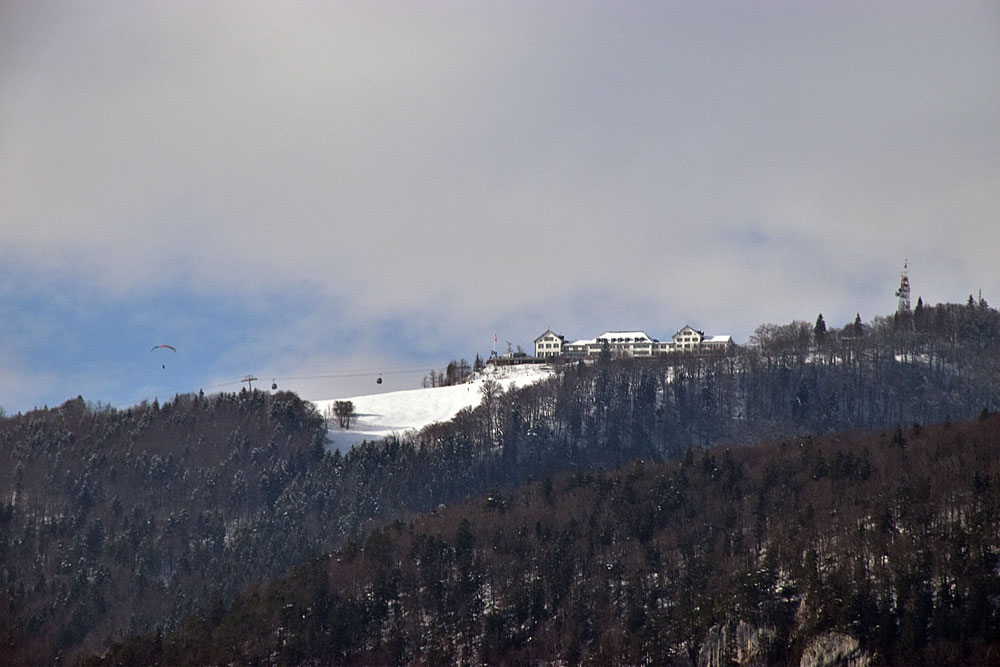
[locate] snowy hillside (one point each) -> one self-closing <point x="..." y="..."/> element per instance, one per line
<point x="378" y="415"/>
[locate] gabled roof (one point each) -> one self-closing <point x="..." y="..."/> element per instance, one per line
<point x="688" y="327"/>
<point x="547" y="332"/>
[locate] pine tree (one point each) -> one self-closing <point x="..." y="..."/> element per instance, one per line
<point x="819" y="331"/>
<point x="919" y="315"/>
<point x="604" y="357"/>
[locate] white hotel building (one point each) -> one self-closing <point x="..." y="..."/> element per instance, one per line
<point x="630" y="344"/>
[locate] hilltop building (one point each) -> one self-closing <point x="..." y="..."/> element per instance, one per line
<point x="621" y="343"/>
<point x="690" y="339"/>
<point x="630" y="344"/>
<point x="548" y="345"/>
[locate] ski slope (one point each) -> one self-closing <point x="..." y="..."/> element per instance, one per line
<point x="379" y="415"/>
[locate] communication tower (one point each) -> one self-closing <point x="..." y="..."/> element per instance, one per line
<point x="904" y="290"/>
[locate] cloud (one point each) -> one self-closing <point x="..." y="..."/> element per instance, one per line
<point x="435" y="173"/>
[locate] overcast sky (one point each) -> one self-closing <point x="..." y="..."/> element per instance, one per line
<point x="346" y="189"/>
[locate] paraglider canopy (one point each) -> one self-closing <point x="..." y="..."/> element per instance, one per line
<point x="169" y="347"/>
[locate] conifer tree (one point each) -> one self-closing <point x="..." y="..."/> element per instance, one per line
<point x="919" y="315"/>
<point x="819" y="331"/>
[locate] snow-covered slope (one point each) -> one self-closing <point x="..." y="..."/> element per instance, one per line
<point x="378" y="415"/>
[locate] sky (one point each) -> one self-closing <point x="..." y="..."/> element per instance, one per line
<point x="320" y="193"/>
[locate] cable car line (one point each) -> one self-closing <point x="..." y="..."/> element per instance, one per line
<point x="347" y="373"/>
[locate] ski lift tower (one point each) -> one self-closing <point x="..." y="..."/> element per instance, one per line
<point x="904" y="290"/>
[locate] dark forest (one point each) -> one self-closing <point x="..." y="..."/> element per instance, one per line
<point x="115" y="523"/>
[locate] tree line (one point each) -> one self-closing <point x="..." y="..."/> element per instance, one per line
<point x="887" y="538"/>
<point x="113" y="522"/>
<point x="454" y="373"/>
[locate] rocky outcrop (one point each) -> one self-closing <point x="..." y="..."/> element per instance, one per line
<point x="739" y="643"/>
<point x="834" y="649"/>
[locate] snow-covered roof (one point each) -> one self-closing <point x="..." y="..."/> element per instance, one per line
<point x="629" y="336"/>
<point x="642" y="337"/>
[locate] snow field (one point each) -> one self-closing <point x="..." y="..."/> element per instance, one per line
<point x="379" y="415"/>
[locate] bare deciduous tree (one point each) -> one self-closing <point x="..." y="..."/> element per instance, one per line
<point x="344" y="411"/>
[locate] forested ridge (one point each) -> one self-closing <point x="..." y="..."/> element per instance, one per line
<point x="887" y="542"/>
<point x="115" y="522"/>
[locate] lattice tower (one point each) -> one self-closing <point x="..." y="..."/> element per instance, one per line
<point x="904" y="290"/>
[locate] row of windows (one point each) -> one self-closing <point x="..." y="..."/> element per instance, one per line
<point x="637" y="343"/>
<point x="636" y="347"/>
<point x="627" y="340"/>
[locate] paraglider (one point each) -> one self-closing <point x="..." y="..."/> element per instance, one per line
<point x="169" y="347"/>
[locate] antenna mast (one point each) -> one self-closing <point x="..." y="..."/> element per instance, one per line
<point x="904" y="290"/>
